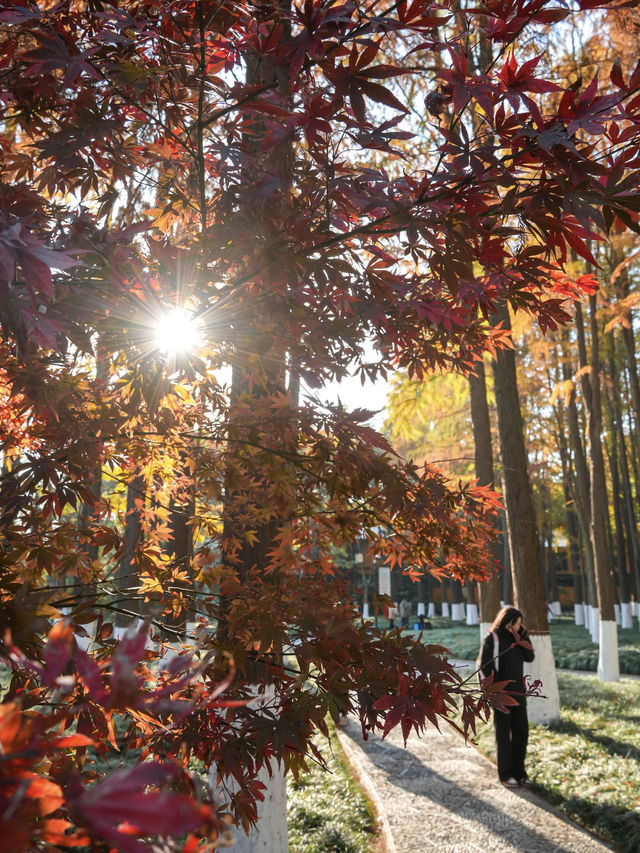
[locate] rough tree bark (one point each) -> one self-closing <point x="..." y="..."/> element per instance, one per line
<point x="489" y="591"/>
<point x="624" y="557"/>
<point x="457" y="602"/>
<point x="608" y="667"/>
<point x="582" y="492"/>
<point x="126" y="575"/>
<point x="521" y="528"/>
<point x="270" y="832"/>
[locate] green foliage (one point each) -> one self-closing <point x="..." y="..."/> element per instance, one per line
<point x="588" y="764"/>
<point x="327" y="812"/>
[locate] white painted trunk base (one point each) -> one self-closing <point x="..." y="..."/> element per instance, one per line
<point x="578" y="614"/>
<point x="431" y="611"/>
<point x="616" y="613"/>
<point x="485" y="627"/>
<point x="543" y="668"/>
<point x="365" y="610"/>
<point x="421" y="608"/>
<point x="594" y="624"/>
<point x="472" y="614"/>
<point x="608" y="665"/>
<point x="556" y="608"/>
<point x="457" y="612"/>
<point x="270" y="833"/>
<point x="625" y="615"/>
<point x="445" y="609"/>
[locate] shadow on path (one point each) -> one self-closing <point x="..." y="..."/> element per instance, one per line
<point x="459" y="800"/>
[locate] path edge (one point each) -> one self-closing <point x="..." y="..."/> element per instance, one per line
<point x="362" y="777"/>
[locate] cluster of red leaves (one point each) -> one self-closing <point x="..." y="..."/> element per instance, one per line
<point x="55" y="711"/>
<point x="65" y="711"/>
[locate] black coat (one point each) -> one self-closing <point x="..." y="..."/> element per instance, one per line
<point x="509" y="663"/>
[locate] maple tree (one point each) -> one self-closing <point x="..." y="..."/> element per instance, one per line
<point x="220" y="157"/>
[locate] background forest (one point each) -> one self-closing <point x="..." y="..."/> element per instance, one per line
<point x="559" y="371"/>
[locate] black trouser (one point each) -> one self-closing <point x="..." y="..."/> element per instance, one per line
<point x="512" y="734"/>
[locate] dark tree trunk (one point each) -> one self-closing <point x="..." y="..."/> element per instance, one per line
<point x="444" y="586"/>
<point x="608" y="669"/>
<point x="574" y="562"/>
<point x="521" y="526"/>
<point x="126" y="578"/>
<point x="489" y="592"/>
<point x="266" y="378"/>
<point x="457" y="606"/>
<point x="622" y="551"/>
<point x="521" y="518"/>
<point x="552" y="575"/>
<point x="506" y="579"/>
<point x="628" y="503"/>
<point x="628" y="338"/>
<point x="182" y="509"/>
<point x="88" y="509"/>
<point x="582" y="490"/>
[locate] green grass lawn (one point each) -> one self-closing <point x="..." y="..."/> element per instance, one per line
<point x="572" y="644"/>
<point x="588" y="764"/>
<point x="327" y="812"/>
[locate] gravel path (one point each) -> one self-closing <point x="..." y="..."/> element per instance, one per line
<point x="440" y="795"/>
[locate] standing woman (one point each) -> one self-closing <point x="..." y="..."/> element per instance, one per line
<point x="500" y="656"/>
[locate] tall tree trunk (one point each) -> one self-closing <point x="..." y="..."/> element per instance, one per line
<point x="182" y="508"/>
<point x="506" y="577"/>
<point x="633" y="431"/>
<point x="622" y="545"/>
<point x="126" y="579"/>
<point x="548" y="557"/>
<point x="521" y="526"/>
<point x="444" y="586"/>
<point x="431" y="606"/>
<point x="244" y="558"/>
<point x="608" y="666"/>
<point x="457" y="603"/>
<point x="470" y="591"/>
<point x="89" y="509"/>
<point x="574" y="562"/>
<point x="582" y="492"/>
<point x="552" y="575"/>
<point x="489" y="592"/>
<point x="628" y="339"/>
<point x="629" y="516"/>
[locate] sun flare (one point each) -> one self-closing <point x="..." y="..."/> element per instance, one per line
<point x="179" y="332"/>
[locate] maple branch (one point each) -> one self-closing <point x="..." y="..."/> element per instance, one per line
<point x="200" y="126"/>
<point x="308" y="64"/>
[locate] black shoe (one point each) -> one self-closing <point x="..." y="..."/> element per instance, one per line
<point x="525" y="782"/>
<point x="510" y="782"/>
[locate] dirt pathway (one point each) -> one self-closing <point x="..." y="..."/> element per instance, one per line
<point x="441" y="795"/>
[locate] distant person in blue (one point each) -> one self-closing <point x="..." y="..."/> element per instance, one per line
<point x="503" y="653"/>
